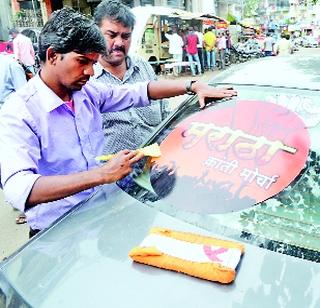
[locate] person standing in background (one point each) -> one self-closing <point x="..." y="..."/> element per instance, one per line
<point x="222" y="45"/>
<point x="269" y="43"/>
<point x="209" y="40"/>
<point x="12" y="77"/>
<point x="205" y="63"/>
<point x="200" y="47"/>
<point x="23" y="50"/>
<point x="192" y="51"/>
<point x="182" y="33"/>
<point x="228" y="41"/>
<point x="175" y="48"/>
<point x="284" y="46"/>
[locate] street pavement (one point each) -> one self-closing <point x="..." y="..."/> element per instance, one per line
<point x="13" y="236"/>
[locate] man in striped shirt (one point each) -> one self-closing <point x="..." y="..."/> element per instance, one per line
<point x="128" y="128"/>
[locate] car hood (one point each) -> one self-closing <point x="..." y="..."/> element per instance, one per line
<point x="290" y="71"/>
<point x="83" y="262"/>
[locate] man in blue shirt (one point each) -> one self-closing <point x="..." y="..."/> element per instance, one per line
<point x="12" y="76"/>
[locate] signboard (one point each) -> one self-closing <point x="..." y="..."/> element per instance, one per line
<point x="221" y="25"/>
<point x="230" y="157"/>
<point x="217" y="24"/>
<point x="208" y="22"/>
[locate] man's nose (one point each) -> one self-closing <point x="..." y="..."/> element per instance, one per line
<point x="89" y="70"/>
<point x="118" y="41"/>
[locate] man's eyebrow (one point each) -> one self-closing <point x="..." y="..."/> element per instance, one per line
<point x="112" y="32"/>
<point x="83" y="57"/>
<point x="122" y="33"/>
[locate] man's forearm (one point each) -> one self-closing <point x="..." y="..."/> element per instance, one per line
<point x="166" y="88"/>
<point x="52" y="188"/>
<point x="56" y="187"/>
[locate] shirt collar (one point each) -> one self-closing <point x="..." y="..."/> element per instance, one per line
<point x="98" y="70"/>
<point x="131" y="63"/>
<point x="50" y="99"/>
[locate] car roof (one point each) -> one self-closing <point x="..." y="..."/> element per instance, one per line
<point x="297" y="72"/>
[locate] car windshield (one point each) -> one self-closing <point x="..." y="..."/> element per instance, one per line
<point x="287" y="220"/>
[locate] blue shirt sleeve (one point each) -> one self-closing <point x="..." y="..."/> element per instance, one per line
<point x="18" y="76"/>
<point x="18" y="171"/>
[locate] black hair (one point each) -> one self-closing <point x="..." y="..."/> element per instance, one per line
<point x="116" y="11"/>
<point x="67" y="31"/>
<point x="13" y="30"/>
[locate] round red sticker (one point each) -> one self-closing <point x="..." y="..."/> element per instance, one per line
<point x="230" y="157"/>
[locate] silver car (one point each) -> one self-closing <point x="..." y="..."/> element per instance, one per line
<point x="245" y="169"/>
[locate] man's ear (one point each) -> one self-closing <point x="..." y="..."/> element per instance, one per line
<point x="51" y="56"/>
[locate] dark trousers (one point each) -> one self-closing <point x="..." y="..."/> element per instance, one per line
<point x="184" y="58"/>
<point x="201" y="58"/>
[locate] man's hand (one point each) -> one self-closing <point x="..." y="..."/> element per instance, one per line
<point x="205" y="91"/>
<point x="119" y="166"/>
<point x="169" y="88"/>
<point x="56" y="187"/>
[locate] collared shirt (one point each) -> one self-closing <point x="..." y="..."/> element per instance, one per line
<point x="23" y="49"/>
<point x="41" y="136"/>
<point x="12" y="76"/>
<point x="209" y="39"/>
<point x="200" y="39"/>
<point x="175" y="43"/>
<point x="222" y="43"/>
<point x="192" y="41"/>
<point x="128" y="129"/>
